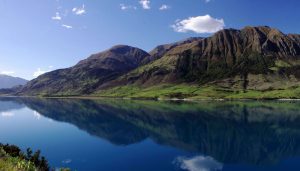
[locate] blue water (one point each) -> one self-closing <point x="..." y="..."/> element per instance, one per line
<point x="127" y="135"/>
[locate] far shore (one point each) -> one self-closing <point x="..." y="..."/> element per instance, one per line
<point x="154" y="99"/>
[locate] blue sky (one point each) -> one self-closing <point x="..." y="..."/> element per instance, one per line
<point x="43" y="35"/>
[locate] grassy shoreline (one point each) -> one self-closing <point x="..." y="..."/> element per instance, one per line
<point x="182" y="92"/>
<point x="193" y="92"/>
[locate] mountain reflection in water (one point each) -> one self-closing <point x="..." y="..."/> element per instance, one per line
<point x="252" y="132"/>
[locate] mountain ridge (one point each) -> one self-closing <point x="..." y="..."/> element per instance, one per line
<point x="7" y="81"/>
<point x="251" y="59"/>
<point x="83" y="77"/>
<point x="212" y="58"/>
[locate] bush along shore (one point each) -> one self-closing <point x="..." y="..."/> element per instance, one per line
<point x="13" y="159"/>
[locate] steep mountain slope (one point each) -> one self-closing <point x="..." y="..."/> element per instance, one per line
<point x="88" y="74"/>
<point x="9" y="81"/>
<point x="161" y="50"/>
<point x="231" y="63"/>
<point x="240" y="55"/>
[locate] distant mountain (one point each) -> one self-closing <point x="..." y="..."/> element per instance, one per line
<point x="10" y="82"/>
<point x="255" y="62"/>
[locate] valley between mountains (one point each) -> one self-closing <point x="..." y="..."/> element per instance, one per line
<point x="251" y="63"/>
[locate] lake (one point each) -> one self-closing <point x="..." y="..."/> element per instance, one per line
<point x="136" y="135"/>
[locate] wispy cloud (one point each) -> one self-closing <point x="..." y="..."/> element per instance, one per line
<point x="7" y="114"/>
<point x="199" y="24"/>
<point x="7" y="72"/>
<point x="79" y="10"/>
<point x="207" y="1"/>
<point x="164" y="7"/>
<point x="57" y="16"/>
<point x="67" y="26"/>
<point x="127" y="7"/>
<point x="198" y="163"/>
<point x="145" y="4"/>
<point x="37" y="115"/>
<point x="40" y="71"/>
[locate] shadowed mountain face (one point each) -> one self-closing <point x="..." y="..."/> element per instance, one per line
<point x="88" y="74"/>
<point x="9" y="81"/>
<point x="231" y="132"/>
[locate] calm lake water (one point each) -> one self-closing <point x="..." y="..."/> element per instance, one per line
<point x="127" y="135"/>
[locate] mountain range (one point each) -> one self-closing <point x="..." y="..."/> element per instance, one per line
<point x="254" y="62"/>
<point x="10" y="82"/>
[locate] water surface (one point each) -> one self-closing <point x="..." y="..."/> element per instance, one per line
<point x="127" y="135"/>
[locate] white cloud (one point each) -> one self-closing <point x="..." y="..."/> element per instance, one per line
<point x="164" y="7"/>
<point x="145" y="4"/>
<point x="56" y="17"/>
<point x="7" y="114"/>
<point x="199" y="24"/>
<point x="67" y="26"/>
<point x="199" y="163"/>
<point x="207" y="1"/>
<point x="79" y="10"/>
<point x="37" y="115"/>
<point x="39" y="72"/>
<point x="8" y="72"/>
<point x="124" y="7"/>
<point x="127" y="7"/>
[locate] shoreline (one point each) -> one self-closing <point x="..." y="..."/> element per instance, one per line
<point x="155" y="99"/>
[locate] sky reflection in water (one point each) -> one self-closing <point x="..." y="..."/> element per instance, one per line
<point x="149" y="135"/>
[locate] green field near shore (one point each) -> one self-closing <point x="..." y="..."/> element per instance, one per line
<point x="184" y="91"/>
